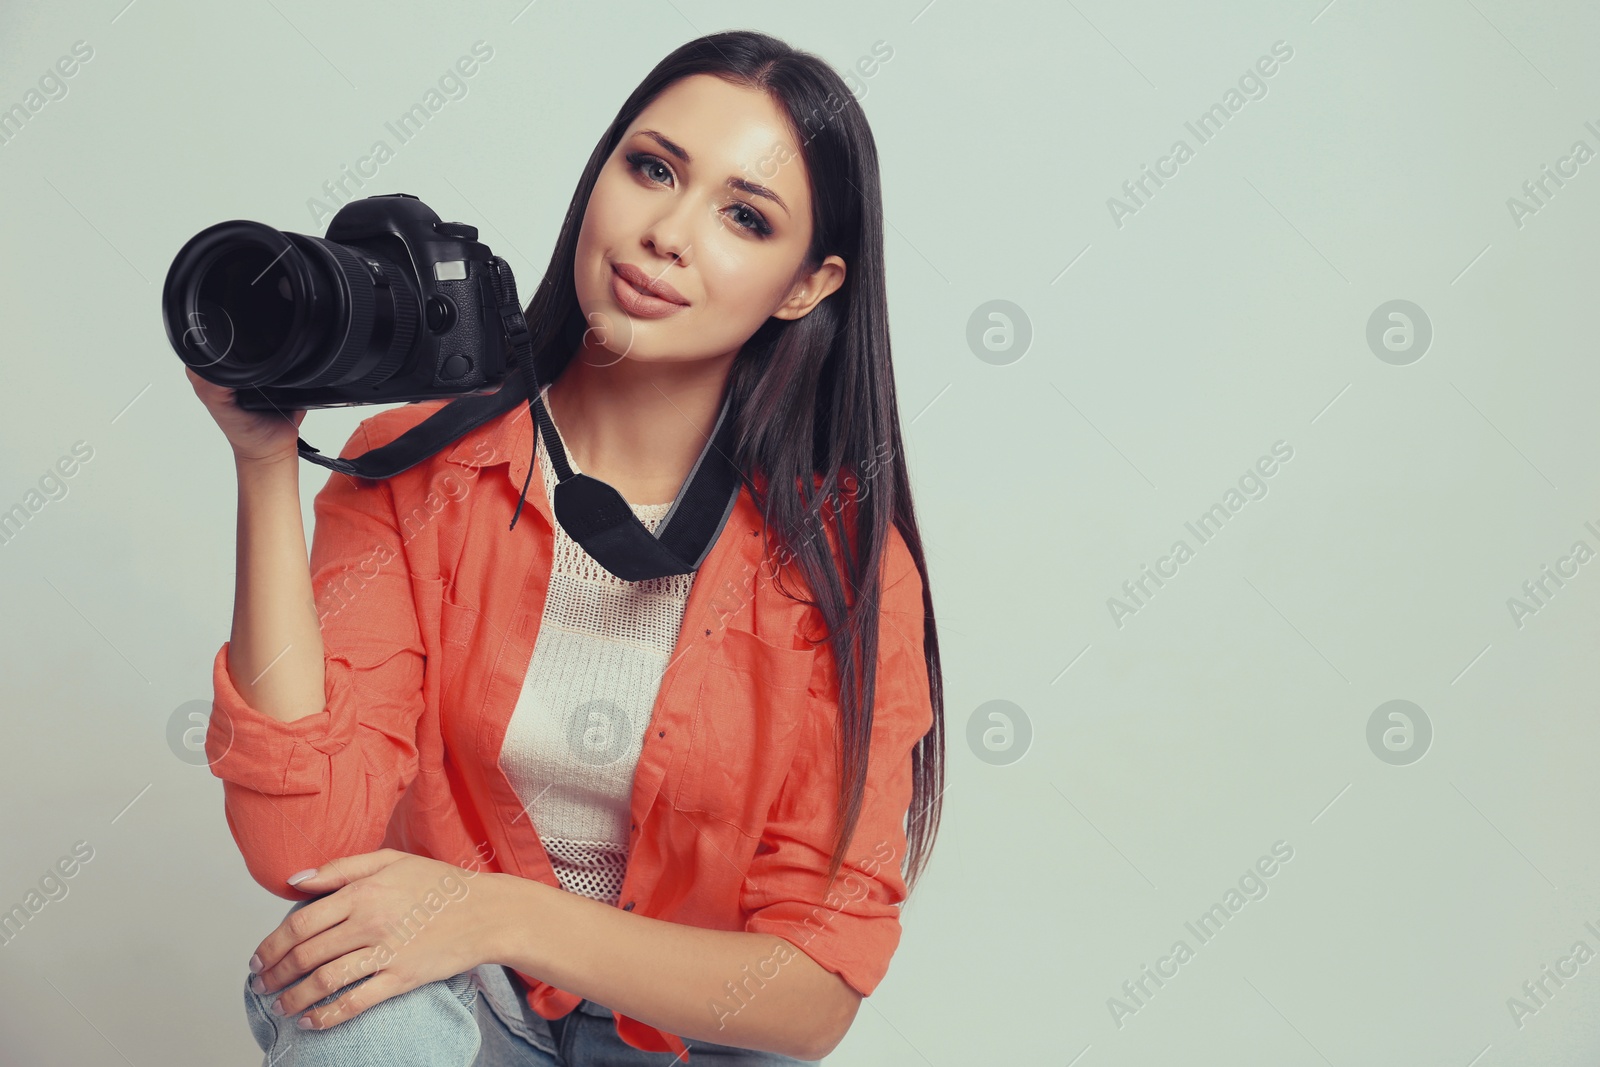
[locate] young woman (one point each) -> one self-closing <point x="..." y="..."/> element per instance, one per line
<point x="649" y="822"/>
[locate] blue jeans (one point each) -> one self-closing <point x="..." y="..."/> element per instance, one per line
<point x="451" y="1023"/>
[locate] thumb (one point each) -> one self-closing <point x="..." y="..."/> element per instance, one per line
<point x="336" y="874"/>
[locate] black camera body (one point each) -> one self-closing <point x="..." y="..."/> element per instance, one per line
<point x="393" y="305"/>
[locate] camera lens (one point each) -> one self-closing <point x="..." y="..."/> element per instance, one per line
<point x="257" y="290"/>
<point x="247" y="305"/>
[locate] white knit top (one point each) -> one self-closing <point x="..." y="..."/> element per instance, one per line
<point x="576" y="732"/>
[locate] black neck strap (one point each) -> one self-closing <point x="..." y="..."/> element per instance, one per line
<point x="593" y="513"/>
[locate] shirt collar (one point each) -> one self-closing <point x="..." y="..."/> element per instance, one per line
<point x="508" y="439"/>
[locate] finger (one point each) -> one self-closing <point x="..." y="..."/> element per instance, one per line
<point x="303" y="959"/>
<point x="326" y="963"/>
<point x="201" y="386"/>
<point x="289" y="951"/>
<point x="382" y="986"/>
<point x="336" y="874"/>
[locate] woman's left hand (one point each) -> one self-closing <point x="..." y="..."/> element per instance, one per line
<point x="410" y="919"/>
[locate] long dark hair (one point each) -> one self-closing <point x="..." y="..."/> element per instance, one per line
<point x="814" y="396"/>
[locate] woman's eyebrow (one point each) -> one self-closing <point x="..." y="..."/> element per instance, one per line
<point x="733" y="183"/>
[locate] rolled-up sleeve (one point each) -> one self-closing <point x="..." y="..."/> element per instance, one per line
<point x="852" y="928"/>
<point x="298" y="794"/>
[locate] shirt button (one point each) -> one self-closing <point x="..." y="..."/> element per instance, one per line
<point x="628" y="906"/>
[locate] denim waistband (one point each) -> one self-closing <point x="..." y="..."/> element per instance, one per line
<point x="588" y="1007"/>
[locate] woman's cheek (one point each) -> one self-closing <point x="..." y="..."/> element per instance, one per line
<point x="742" y="297"/>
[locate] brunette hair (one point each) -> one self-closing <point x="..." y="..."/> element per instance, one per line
<point x="814" y="396"/>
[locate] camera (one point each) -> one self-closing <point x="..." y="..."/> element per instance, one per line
<point x="393" y="305"/>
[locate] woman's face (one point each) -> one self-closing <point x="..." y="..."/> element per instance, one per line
<point x="733" y="253"/>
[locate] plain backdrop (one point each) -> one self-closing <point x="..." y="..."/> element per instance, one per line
<point x="1083" y="373"/>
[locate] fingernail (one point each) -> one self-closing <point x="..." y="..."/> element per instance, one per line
<point x="300" y="876"/>
<point x="304" y="1023"/>
<point x="258" y="985"/>
<point x="277" y="1008"/>
<point x="255" y="964"/>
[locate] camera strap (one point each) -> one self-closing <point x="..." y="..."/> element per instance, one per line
<point x="591" y="511"/>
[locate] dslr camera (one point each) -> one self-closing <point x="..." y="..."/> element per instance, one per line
<point x="393" y="305"/>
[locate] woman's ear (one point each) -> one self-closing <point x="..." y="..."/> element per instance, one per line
<point x="811" y="288"/>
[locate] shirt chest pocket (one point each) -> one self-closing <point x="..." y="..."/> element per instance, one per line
<point x="744" y="730"/>
<point x="460" y="632"/>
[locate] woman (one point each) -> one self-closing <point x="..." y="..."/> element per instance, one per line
<point x="482" y="764"/>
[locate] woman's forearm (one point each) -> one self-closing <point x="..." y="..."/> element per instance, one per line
<point x="275" y="655"/>
<point x="728" y="987"/>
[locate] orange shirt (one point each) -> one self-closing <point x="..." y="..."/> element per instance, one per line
<point x="430" y="607"/>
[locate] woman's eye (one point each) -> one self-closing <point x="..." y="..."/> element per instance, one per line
<point x="756" y="224"/>
<point x="745" y="216"/>
<point x="641" y="162"/>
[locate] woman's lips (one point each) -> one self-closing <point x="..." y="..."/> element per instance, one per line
<point x="637" y="304"/>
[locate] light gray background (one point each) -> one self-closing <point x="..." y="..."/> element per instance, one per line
<point x="1166" y="754"/>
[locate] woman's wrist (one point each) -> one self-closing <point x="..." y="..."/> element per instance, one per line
<point x="510" y="905"/>
<point x="276" y="462"/>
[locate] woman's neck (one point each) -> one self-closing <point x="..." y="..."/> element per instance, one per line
<point x="638" y="426"/>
